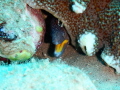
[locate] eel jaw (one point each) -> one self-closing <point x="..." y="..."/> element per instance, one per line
<point x="60" y="48"/>
<point x="87" y="42"/>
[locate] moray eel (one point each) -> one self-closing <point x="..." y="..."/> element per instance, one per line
<point x="59" y="37"/>
<point x="94" y="24"/>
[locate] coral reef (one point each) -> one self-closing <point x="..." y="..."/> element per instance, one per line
<point x="90" y="24"/>
<point x="98" y="22"/>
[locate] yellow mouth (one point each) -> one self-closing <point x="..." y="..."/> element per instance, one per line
<point x="59" y="48"/>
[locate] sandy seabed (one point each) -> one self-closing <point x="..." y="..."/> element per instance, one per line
<point x="72" y="71"/>
<point x="103" y="76"/>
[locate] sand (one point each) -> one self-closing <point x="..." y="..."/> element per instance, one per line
<point x="102" y="76"/>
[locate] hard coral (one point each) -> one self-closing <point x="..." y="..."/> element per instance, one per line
<point x="101" y="20"/>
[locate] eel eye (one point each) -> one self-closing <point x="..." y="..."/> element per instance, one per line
<point x="6" y="36"/>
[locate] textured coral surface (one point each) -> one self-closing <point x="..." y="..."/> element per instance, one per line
<point x="16" y="22"/>
<point x="101" y="19"/>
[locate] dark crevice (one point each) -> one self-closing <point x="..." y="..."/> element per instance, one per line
<point x="47" y="36"/>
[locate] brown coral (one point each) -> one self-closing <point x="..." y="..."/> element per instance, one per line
<point x="101" y="19"/>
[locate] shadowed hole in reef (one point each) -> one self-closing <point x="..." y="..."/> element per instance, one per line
<point x="47" y="36"/>
<point x="85" y="49"/>
<point x="99" y="57"/>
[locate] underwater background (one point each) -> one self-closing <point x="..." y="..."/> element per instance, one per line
<point x="42" y="71"/>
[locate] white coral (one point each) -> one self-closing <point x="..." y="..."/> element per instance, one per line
<point x="111" y="61"/>
<point x="78" y="6"/>
<point x="87" y="42"/>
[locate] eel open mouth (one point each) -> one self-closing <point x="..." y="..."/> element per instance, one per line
<point x="52" y="25"/>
